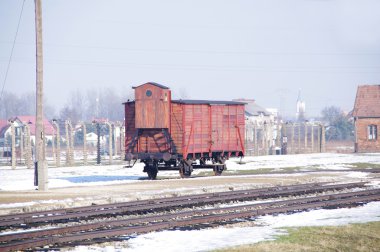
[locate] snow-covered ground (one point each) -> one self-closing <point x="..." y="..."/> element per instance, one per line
<point x="265" y="228"/>
<point x="22" y="178"/>
<point x="305" y="161"/>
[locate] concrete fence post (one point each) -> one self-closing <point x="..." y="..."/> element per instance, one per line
<point x="122" y="140"/>
<point x="299" y="138"/>
<point x="292" y="140"/>
<point x="22" y="155"/>
<point x="57" y="138"/>
<point x="54" y="150"/>
<point x="115" y="137"/>
<point x="312" y="138"/>
<point x="84" y="143"/>
<point x="13" y="133"/>
<point x="28" y="147"/>
<point x="255" y="142"/>
<point x="306" y="135"/>
<point x="319" y="132"/>
<point x="69" y="143"/>
<point x="109" y="141"/>
<point x="323" y="138"/>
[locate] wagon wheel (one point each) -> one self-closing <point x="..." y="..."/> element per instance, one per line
<point x="185" y="169"/>
<point x="222" y="161"/>
<point x="152" y="172"/>
<point x="202" y="161"/>
<point x="218" y="169"/>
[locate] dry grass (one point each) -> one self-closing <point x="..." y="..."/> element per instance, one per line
<point x="355" y="237"/>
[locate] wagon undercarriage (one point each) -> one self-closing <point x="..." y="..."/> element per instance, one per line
<point x="185" y="167"/>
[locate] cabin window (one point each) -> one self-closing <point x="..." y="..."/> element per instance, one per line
<point x="148" y="93"/>
<point x="372" y="132"/>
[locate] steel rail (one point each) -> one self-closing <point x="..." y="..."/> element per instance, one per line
<point x="131" y="221"/>
<point x="149" y="201"/>
<point x="208" y="215"/>
<point x="169" y="203"/>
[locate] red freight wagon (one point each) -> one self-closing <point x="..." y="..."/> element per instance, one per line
<point x="162" y="132"/>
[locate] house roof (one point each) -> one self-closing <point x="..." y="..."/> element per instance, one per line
<point x="31" y="120"/>
<point x="367" y="102"/>
<point x="154" y="84"/>
<point x="253" y="109"/>
<point x="208" y="102"/>
<point x="3" y="126"/>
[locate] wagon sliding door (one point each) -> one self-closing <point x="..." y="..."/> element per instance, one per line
<point x="216" y="128"/>
<point x="227" y="128"/>
<point x="196" y="137"/>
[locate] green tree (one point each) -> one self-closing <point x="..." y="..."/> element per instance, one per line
<point x="339" y="126"/>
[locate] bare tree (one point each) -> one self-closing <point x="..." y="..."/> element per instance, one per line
<point x="110" y="105"/>
<point x="339" y="127"/>
<point x="92" y="104"/>
<point x="69" y="113"/>
<point x="9" y="106"/>
<point x="77" y="103"/>
<point x="24" y="104"/>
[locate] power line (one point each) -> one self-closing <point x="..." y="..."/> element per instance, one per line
<point x="201" y="51"/>
<point x="212" y="67"/>
<point x="13" y="46"/>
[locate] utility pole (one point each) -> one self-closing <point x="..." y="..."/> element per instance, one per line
<point x="42" y="172"/>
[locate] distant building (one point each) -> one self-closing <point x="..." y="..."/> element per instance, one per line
<point x="301" y="108"/>
<point x="255" y="113"/>
<point x="366" y="115"/>
<point x="19" y="122"/>
<point x="260" y="122"/>
<point x="92" y="138"/>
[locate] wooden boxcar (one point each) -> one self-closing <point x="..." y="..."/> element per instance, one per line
<point x="162" y="132"/>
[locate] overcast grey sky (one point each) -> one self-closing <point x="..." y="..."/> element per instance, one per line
<point x="209" y="49"/>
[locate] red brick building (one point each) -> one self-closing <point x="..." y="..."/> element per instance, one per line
<point x="366" y="115"/>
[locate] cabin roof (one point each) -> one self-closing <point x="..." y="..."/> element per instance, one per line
<point x="208" y="102"/>
<point x="154" y="84"/>
<point x="367" y="102"/>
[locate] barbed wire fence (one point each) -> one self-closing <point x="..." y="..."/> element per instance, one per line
<point x="284" y="138"/>
<point x="68" y="146"/>
<point x="71" y="146"/>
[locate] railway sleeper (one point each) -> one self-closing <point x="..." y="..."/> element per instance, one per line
<point x="149" y="205"/>
<point x="279" y="207"/>
<point x="197" y="220"/>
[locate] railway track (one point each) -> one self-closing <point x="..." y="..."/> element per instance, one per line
<point x="134" y="207"/>
<point x="142" y="224"/>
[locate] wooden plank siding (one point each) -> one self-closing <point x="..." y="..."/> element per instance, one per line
<point x="153" y="141"/>
<point x="196" y="135"/>
<point x="227" y="122"/>
<point x="152" y="112"/>
<point x="148" y="141"/>
<point x="130" y="129"/>
<point x="176" y="129"/>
